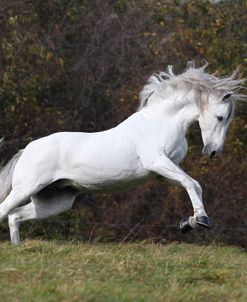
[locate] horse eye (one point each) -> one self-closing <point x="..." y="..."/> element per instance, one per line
<point x="227" y="96"/>
<point x="220" y="118"/>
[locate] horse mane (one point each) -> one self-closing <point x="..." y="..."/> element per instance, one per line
<point x="193" y="78"/>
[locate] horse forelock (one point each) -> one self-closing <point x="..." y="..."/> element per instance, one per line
<point x="195" y="78"/>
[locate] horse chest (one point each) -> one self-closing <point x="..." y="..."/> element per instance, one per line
<point x="177" y="149"/>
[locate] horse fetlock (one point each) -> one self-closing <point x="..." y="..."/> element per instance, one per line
<point x="199" y="212"/>
<point x="14" y="229"/>
<point x="192" y="222"/>
<point x="15" y="237"/>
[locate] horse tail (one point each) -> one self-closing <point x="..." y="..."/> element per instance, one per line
<point x="6" y="175"/>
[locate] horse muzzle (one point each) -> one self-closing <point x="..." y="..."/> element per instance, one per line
<point x="210" y="152"/>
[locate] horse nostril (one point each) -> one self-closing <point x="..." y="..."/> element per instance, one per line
<point x="213" y="154"/>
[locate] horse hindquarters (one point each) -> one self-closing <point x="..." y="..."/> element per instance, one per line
<point x="42" y="206"/>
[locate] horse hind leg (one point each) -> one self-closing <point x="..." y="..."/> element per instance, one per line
<point x="15" y="198"/>
<point x="42" y="206"/>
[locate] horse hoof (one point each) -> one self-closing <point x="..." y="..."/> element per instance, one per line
<point x="185" y="227"/>
<point x="203" y="222"/>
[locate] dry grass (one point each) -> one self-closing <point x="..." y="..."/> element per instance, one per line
<point x="53" y="271"/>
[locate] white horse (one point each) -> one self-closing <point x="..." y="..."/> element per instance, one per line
<point x="53" y="170"/>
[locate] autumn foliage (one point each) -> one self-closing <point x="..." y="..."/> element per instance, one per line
<point x="79" y="66"/>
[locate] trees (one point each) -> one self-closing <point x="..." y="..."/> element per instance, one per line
<point x="79" y="66"/>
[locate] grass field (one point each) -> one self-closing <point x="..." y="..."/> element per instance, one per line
<point x="55" y="271"/>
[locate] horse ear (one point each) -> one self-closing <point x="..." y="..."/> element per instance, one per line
<point x="226" y="97"/>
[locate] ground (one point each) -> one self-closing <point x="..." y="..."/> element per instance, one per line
<point x="58" y="271"/>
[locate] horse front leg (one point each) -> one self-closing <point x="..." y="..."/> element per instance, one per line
<point x="163" y="166"/>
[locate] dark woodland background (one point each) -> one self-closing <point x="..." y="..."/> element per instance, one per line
<point x="79" y="65"/>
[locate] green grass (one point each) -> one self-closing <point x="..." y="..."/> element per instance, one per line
<point x="53" y="271"/>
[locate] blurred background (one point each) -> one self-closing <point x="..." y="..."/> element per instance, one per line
<point x="79" y="65"/>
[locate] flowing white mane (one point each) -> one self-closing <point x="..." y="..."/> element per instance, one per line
<point x="193" y="78"/>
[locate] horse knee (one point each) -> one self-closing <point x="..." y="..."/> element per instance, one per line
<point x="197" y="187"/>
<point x="192" y="184"/>
<point x="188" y="183"/>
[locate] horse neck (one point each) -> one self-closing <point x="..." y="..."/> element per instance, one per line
<point x="180" y="106"/>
